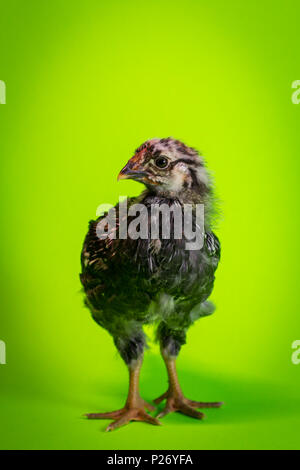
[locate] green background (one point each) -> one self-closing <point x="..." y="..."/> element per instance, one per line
<point x="87" y="82"/>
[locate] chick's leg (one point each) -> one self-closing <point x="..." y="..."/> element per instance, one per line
<point x="175" y="400"/>
<point x="134" y="409"/>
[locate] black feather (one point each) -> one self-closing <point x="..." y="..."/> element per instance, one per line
<point x="129" y="283"/>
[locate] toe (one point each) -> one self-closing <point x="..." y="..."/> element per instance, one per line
<point x="148" y="419"/>
<point x="110" y="415"/>
<point x="165" y="412"/>
<point x="200" y="404"/>
<point x="132" y="415"/>
<point x="189" y="411"/>
<point x="125" y="419"/>
<point x="161" y="398"/>
<point x="149" y="407"/>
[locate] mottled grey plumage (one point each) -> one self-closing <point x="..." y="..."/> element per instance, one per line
<point x="129" y="283"/>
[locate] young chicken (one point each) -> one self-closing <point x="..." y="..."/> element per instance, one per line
<point x="130" y="281"/>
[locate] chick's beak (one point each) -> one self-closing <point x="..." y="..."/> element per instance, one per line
<point x="129" y="173"/>
<point x="123" y="175"/>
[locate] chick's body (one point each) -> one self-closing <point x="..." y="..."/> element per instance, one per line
<point x="131" y="282"/>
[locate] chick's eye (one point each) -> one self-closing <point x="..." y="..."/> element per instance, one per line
<point x="161" y="162"/>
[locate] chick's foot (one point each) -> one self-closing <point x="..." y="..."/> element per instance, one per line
<point x="129" y="413"/>
<point x="177" y="402"/>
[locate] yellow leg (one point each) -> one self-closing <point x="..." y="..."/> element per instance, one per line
<point x="134" y="409"/>
<point x="175" y="398"/>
